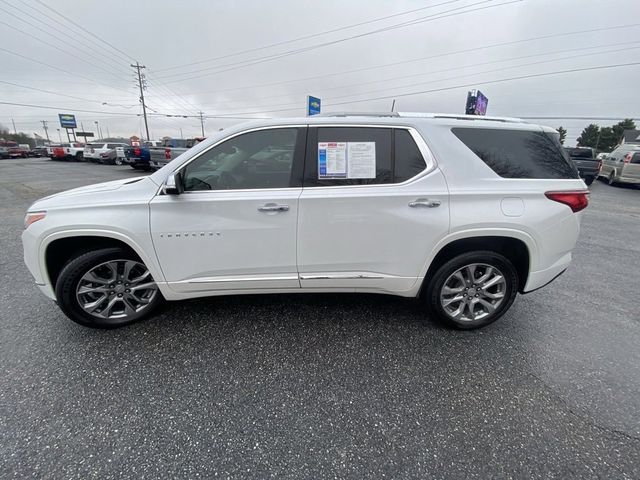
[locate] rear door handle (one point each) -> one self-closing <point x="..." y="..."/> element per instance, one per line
<point x="425" y="202"/>
<point x="273" y="207"/>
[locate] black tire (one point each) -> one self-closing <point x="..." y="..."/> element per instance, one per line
<point x="135" y="167"/>
<point x="71" y="275"/>
<point x="434" y="286"/>
<point x="611" y="180"/>
<point x="79" y="157"/>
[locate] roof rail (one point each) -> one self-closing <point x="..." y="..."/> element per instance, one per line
<point x="358" y="114"/>
<point x="454" y="116"/>
<point x="451" y="116"/>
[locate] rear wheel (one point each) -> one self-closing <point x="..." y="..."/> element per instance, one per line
<point x="472" y="290"/>
<point x="106" y="288"/>
<point x="79" y="156"/>
<point x="612" y="178"/>
<point x="118" y="161"/>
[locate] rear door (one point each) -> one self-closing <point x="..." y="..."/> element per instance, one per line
<point x="371" y="208"/>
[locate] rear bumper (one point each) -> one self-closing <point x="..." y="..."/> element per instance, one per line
<point x="541" y="278"/>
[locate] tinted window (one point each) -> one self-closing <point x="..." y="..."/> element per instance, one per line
<point x="579" y="152"/>
<point x="262" y="159"/>
<point x="518" y="153"/>
<point x="635" y="158"/>
<point x="408" y="161"/>
<point x="329" y="149"/>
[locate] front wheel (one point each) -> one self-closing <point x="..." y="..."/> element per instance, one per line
<point x="106" y="288"/>
<point x="118" y="161"/>
<point x="472" y="290"/>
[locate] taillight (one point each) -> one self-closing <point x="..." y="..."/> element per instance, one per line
<point x="136" y="152"/>
<point x="627" y="158"/>
<point x="167" y="154"/>
<point x="576" y="201"/>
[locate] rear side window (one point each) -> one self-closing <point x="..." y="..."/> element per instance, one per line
<point x="409" y="162"/>
<point x="338" y="156"/>
<point x="635" y="158"/>
<point x="518" y="153"/>
<point x="349" y="156"/>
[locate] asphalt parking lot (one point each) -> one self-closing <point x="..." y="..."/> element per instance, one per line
<point x="325" y="386"/>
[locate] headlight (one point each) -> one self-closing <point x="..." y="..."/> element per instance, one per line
<point x="33" y="217"/>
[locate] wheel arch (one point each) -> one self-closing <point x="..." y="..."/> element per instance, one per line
<point x="516" y="246"/>
<point x="57" y="249"/>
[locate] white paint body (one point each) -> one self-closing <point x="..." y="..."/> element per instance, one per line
<point x="361" y="238"/>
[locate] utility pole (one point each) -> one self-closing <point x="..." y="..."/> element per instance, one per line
<point x="143" y="87"/>
<point x="46" y="129"/>
<point x="201" y="122"/>
<point x="181" y="137"/>
<point x="108" y="134"/>
<point x="14" y="127"/>
<point x="59" y="135"/>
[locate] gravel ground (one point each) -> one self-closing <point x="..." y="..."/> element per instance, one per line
<point x="324" y="386"/>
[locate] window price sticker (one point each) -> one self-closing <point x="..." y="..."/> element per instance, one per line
<point x="346" y="160"/>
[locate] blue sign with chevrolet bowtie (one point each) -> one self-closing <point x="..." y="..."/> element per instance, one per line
<point x="67" y="120"/>
<point x="313" y="105"/>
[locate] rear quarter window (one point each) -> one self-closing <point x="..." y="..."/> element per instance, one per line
<point x="518" y="153"/>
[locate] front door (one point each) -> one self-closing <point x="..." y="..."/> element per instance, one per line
<point x="234" y="226"/>
<point x="370" y="211"/>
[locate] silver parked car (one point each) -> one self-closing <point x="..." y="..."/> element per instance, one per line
<point x="622" y="165"/>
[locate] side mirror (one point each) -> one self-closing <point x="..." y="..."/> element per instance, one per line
<point x="173" y="185"/>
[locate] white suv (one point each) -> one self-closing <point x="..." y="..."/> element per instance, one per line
<point x="463" y="212"/>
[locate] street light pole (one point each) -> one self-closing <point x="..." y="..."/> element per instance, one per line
<point x="59" y="135"/>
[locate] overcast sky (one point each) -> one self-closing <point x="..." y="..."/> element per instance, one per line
<point x="193" y="54"/>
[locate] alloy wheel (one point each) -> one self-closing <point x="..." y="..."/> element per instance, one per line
<point x="473" y="292"/>
<point x="116" y="289"/>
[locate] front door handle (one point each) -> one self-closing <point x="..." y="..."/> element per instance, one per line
<point x="425" y="202"/>
<point x="273" y="207"/>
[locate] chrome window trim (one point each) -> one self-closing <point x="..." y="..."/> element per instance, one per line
<point x="426" y="152"/>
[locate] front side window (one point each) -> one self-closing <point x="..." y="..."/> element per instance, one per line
<point x="261" y="159"/>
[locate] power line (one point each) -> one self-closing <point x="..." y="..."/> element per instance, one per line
<point x="49" y="45"/>
<point x="31" y="59"/>
<point x="430" y="57"/>
<point x="255" y="61"/>
<point x="458" y="67"/>
<point x="123" y="114"/>
<point x="453" y="87"/>
<point x="56" y="29"/>
<point x="74" y="32"/>
<point x="306" y="37"/>
<point x="457" y="76"/>
<point x="127" y="56"/>
<point x="51" y="92"/>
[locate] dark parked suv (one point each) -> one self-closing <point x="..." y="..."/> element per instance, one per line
<point x="584" y="159"/>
